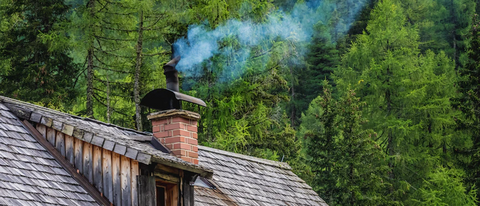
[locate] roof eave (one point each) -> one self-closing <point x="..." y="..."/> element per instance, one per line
<point x="207" y="173"/>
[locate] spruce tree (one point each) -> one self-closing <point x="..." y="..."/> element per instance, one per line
<point x="349" y="167"/>
<point x="34" y="49"/>
<point x="322" y="58"/>
<point x="469" y="104"/>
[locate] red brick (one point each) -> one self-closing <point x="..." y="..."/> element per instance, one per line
<point x="179" y="153"/>
<point x="181" y="146"/>
<point x="180" y="119"/>
<point x="188" y="159"/>
<point x="195" y="161"/>
<point x="192" y="128"/>
<point x="195" y="135"/>
<point x="156" y="128"/>
<point x="192" y="154"/>
<point x="169" y="140"/>
<point x="173" y="126"/>
<point x="159" y="122"/>
<point x="181" y="133"/>
<point x="192" y="141"/>
<point x="161" y="134"/>
<point x="195" y="148"/>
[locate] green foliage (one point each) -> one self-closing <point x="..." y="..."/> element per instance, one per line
<point x="349" y="166"/>
<point x="322" y="59"/>
<point x="244" y="114"/>
<point x="407" y="94"/>
<point x="34" y="52"/>
<point x="445" y="187"/>
<point x="469" y="103"/>
<point x="395" y="67"/>
<point x="442" y="25"/>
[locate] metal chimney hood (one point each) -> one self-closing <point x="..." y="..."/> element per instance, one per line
<point x="169" y="98"/>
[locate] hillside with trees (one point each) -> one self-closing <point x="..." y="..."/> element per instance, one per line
<point x="372" y="102"/>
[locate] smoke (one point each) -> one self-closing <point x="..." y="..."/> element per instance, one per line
<point x="297" y="26"/>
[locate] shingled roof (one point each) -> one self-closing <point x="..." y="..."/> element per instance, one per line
<point x="131" y="143"/>
<point x="29" y="175"/>
<point x="246" y="180"/>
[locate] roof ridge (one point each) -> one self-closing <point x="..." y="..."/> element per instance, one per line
<point x="46" y="109"/>
<point x="282" y="165"/>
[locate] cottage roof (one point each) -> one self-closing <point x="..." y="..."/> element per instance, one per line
<point x="239" y="179"/>
<point x="131" y="143"/>
<point x="247" y="180"/>
<point x="29" y="175"/>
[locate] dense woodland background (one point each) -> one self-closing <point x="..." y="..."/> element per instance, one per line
<point x="372" y="102"/>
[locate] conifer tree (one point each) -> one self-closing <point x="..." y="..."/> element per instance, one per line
<point x="35" y="52"/>
<point x="349" y="167"/>
<point x="407" y="94"/>
<point x="444" y="186"/>
<point x="469" y="104"/>
<point x="323" y="57"/>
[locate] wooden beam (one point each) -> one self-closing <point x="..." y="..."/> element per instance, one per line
<point x="78" y="154"/>
<point x="167" y="177"/>
<point x="97" y="168"/>
<point x="107" y="174"/>
<point x="187" y="190"/>
<point x="51" y="135"/>
<point x="69" y="151"/>
<point x="117" y="186"/>
<point x="146" y="190"/>
<point x="87" y="162"/>
<point x="42" y="130"/>
<point x="126" y="181"/>
<point x="135" y="168"/>
<point x="167" y="169"/>
<point x="60" y="143"/>
<point x="66" y="165"/>
<point x="203" y="172"/>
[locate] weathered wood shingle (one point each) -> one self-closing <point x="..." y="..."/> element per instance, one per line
<point x="29" y="175"/>
<point x="246" y="180"/>
<point x="120" y="140"/>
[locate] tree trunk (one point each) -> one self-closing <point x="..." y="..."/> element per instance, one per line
<point x="108" y="99"/>
<point x="90" y="69"/>
<point x="138" y="64"/>
<point x="292" y="100"/>
<point x="454" y="38"/>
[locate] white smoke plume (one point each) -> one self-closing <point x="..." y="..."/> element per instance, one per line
<point x="202" y="43"/>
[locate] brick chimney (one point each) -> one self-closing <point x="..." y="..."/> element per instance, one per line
<point x="177" y="130"/>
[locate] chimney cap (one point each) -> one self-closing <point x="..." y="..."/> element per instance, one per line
<point x="173" y="62"/>
<point x="165" y="99"/>
<point x="169" y="98"/>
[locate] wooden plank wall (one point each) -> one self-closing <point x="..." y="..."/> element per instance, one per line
<point x="114" y="175"/>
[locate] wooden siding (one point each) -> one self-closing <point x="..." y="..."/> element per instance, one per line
<point x="114" y="175"/>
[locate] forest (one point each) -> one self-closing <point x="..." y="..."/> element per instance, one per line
<point x="372" y="102"/>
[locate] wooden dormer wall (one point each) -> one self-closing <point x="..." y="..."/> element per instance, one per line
<point x="114" y="175"/>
